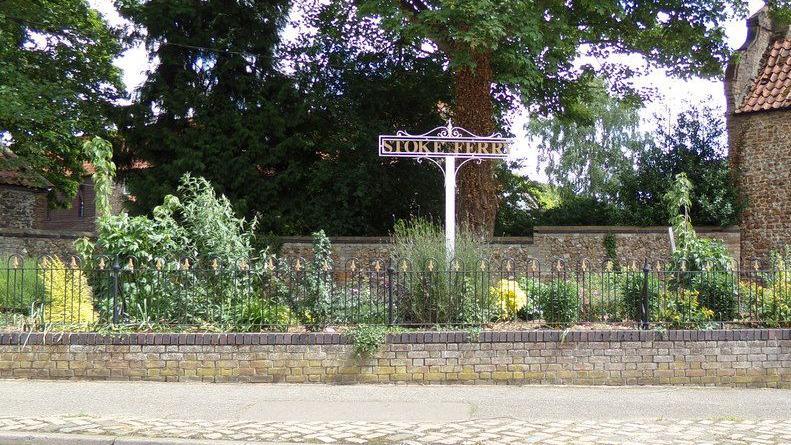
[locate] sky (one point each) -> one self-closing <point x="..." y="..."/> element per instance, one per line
<point x="673" y="94"/>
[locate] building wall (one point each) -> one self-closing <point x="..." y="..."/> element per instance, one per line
<point x="21" y="207"/>
<point x="756" y="358"/>
<point x="762" y="162"/>
<point x="80" y="215"/>
<point x="34" y="243"/>
<point x="570" y="243"/>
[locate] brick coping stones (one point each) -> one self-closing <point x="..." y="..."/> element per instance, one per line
<point x="326" y="338"/>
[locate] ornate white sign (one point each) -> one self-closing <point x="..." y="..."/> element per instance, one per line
<point x="446" y="143"/>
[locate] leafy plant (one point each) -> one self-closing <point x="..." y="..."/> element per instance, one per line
<point x="681" y="309"/>
<point x="368" y="339"/>
<point x="170" y="276"/>
<point x="691" y="253"/>
<point x="718" y="291"/>
<point x="20" y="286"/>
<point x="559" y="301"/>
<point x="257" y="313"/>
<point x="632" y="293"/>
<point x="435" y="288"/>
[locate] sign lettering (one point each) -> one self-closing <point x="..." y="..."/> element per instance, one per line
<point x="443" y="142"/>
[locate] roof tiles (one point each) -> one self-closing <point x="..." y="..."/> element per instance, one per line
<point x="772" y="87"/>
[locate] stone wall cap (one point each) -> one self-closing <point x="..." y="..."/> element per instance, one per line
<point x="22" y="339"/>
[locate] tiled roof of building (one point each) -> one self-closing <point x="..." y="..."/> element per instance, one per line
<point x="772" y="87"/>
<point x="15" y="171"/>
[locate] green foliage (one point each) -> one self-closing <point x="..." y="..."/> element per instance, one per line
<point x="522" y="202"/>
<point x="197" y="225"/>
<point x="682" y="310"/>
<point x="256" y="313"/>
<point x="314" y="307"/>
<point x="57" y="84"/>
<point x="588" y="157"/>
<point x="21" y="289"/>
<point x="559" y="301"/>
<point x="773" y="305"/>
<point x="694" y="143"/>
<point x="533" y="45"/>
<point x="100" y="152"/>
<point x="430" y="294"/>
<point x="532" y="288"/>
<point x="368" y="339"/>
<point x="262" y="137"/>
<point x="632" y="286"/>
<point x="691" y="253"/>
<point x="718" y="291"/>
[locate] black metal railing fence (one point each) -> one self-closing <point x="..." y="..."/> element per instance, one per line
<point x="278" y="293"/>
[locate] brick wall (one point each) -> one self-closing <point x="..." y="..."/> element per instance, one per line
<point x="757" y="358"/>
<point x="572" y="243"/>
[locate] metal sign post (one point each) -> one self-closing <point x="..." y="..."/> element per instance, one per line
<point x="442" y="146"/>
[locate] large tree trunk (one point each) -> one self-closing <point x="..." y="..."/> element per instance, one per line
<point x="477" y="193"/>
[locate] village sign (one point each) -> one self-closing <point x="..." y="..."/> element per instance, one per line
<point x="442" y="146"/>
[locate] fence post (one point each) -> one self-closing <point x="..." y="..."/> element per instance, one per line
<point x="644" y="313"/>
<point x="116" y="286"/>
<point x="390" y="274"/>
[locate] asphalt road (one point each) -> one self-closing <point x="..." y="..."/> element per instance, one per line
<point x="281" y="402"/>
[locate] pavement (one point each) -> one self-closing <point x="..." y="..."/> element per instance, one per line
<point x="130" y="413"/>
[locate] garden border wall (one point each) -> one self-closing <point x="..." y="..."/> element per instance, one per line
<point x="743" y="357"/>
<point x="572" y="243"/>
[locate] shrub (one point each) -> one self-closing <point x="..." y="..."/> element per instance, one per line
<point x="532" y="289"/>
<point x="198" y="224"/>
<point x="510" y="298"/>
<point x="368" y="339"/>
<point x="632" y="294"/>
<point x="69" y="299"/>
<point x="428" y="294"/>
<point x="20" y="287"/>
<point x="682" y="310"/>
<point x="559" y="302"/>
<point x="718" y="291"/>
<point x="257" y="313"/>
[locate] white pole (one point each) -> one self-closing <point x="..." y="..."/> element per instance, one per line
<point x="450" y="206"/>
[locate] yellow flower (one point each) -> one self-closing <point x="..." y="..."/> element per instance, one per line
<point x="509" y="297"/>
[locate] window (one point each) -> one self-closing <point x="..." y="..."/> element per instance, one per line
<point x="80" y="205"/>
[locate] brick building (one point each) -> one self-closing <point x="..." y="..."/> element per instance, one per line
<point x="23" y="194"/>
<point x="23" y="200"/>
<point x="758" y="93"/>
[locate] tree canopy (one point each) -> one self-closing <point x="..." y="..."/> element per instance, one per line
<point x="293" y="143"/>
<point x="520" y="51"/>
<point x="692" y="143"/>
<point x="57" y="85"/>
<point x="586" y="157"/>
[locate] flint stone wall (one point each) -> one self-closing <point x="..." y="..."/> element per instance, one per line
<point x="761" y="156"/>
<point x="570" y="243"/>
